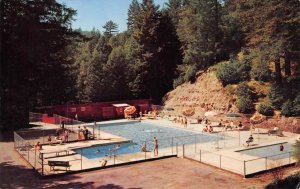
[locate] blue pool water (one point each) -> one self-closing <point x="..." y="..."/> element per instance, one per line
<point x="271" y="151"/>
<point x="139" y="133"/>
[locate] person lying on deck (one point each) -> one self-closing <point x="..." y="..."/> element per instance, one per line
<point x="205" y="129"/>
<point x="210" y="129"/>
<point x="58" y="139"/>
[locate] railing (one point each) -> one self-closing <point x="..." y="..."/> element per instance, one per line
<point x="35" y="117"/>
<point x="191" y="146"/>
<point x="242" y="167"/>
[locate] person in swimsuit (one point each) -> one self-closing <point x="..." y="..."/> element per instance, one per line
<point x="155" y="142"/>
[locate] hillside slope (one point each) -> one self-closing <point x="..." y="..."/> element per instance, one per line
<point x="206" y="94"/>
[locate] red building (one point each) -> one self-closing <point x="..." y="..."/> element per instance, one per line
<point x="96" y="111"/>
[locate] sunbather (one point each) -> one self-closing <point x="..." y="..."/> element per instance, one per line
<point x="210" y="129"/>
<point x="205" y="129"/>
<point x="58" y="139"/>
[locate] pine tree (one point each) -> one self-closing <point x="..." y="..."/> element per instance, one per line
<point x="133" y="11"/>
<point x="34" y="35"/>
<point x="111" y="28"/>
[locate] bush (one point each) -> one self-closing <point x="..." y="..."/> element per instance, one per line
<point x="187" y="73"/>
<point x="227" y="73"/>
<point x="261" y="72"/>
<point x="244" y="90"/>
<point x="245" y="104"/>
<point x="178" y="81"/>
<point x="230" y="89"/>
<point x="296" y="104"/>
<point x="234" y="72"/>
<point x="245" y="98"/>
<point x="276" y="96"/>
<point x="287" y="108"/>
<point x="289" y="182"/>
<point x="266" y="109"/>
<point x="296" y="151"/>
<point x="243" y="69"/>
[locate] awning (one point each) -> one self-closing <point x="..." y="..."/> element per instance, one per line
<point x="120" y="105"/>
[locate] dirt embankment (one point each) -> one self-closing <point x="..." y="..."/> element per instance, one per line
<point x="206" y="94"/>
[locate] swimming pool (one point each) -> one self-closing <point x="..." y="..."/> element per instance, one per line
<point x="139" y="133"/>
<point x="270" y="151"/>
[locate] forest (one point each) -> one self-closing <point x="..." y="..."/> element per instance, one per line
<point x="46" y="62"/>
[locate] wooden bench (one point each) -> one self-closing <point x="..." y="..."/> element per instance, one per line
<point x="65" y="164"/>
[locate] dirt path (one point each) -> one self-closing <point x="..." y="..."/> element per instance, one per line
<point x="168" y="173"/>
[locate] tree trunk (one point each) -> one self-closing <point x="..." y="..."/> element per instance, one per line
<point x="287" y="64"/>
<point x="278" y="76"/>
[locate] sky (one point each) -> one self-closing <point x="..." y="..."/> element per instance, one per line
<point x="95" y="13"/>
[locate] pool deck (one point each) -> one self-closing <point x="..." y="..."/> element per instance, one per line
<point x="210" y="152"/>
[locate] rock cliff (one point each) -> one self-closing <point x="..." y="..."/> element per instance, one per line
<point x="205" y="94"/>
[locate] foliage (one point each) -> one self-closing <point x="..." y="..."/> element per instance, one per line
<point x="261" y="72"/>
<point x="296" y="105"/>
<point x="289" y="182"/>
<point x="266" y="109"/>
<point x="244" y="90"/>
<point x="296" y="151"/>
<point x="111" y="28"/>
<point x="230" y="89"/>
<point x="34" y="38"/>
<point x="245" y="104"/>
<point x="245" y="98"/>
<point x="234" y="72"/>
<point x="276" y="96"/>
<point x="287" y="108"/>
<point x="227" y="73"/>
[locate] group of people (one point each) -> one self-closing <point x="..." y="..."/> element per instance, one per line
<point x="155" y="147"/>
<point x="208" y="129"/>
<point x="83" y="134"/>
<point x="61" y="135"/>
<point x="182" y="120"/>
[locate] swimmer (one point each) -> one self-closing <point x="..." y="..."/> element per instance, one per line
<point x="116" y="146"/>
<point x="97" y="151"/>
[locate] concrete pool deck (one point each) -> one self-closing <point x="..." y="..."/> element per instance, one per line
<point x="231" y="160"/>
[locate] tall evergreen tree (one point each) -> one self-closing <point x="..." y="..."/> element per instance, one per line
<point x="272" y="26"/>
<point x="111" y="28"/>
<point x="133" y="11"/>
<point x="199" y="30"/>
<point x="34" y="36"/>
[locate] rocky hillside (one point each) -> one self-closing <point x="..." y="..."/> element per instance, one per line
<point x="206" y="94"/>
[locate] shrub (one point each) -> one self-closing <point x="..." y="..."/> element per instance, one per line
<point x="227" y="73"/>
<point x="296" y="104"/>
<point x="296" y="151"/>
<point x="289" y="182"/>
<point x="187" y="73"/>
<point x="190" y="74"/>
<point x="230" y="89"/>
<point x="287" y="108"/>
<point x="244" y="90"/>
<point x="276" y="96"/>
<point x="261" y="72"/>
<point x="245" y="98"/>
<point x="266" y="109"/>
<point x="243" y="69"/>
<point x="178" y="81"/>
<point x="234" y="72"/>
<point x="245" y="104"/>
